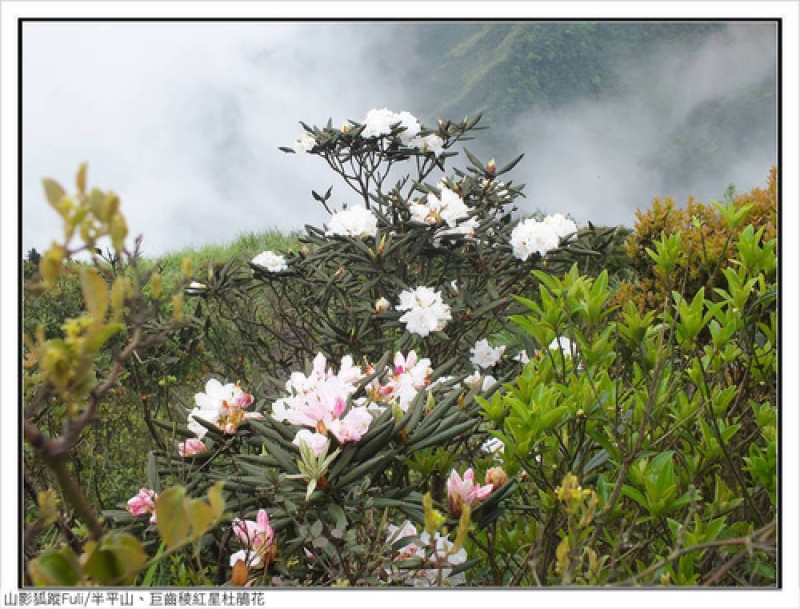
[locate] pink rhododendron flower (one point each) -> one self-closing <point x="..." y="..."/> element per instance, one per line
<point x="256" y="535"/>
<point x="258" y="538"/>
<point x="460" y="492"/>
<point x="404" y="379"/>
<point x="352" y="426"/>
<point x="143" y="503"/>
<point x="191" y="446"/>
<point x="320" y="401"/>
<point x="317" y="442"/>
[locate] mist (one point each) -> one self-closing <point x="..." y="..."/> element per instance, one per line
<point x="184" y="121"/>
<point x="603" y="159"/>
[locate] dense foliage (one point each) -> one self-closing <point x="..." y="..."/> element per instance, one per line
<point x="426" y="391"/>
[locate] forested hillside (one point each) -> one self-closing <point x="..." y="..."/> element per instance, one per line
<point x="507" y="70"/>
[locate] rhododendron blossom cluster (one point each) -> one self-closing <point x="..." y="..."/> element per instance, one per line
<point x="379" y="123"/>
<point x="448" y="207"/>
<point x="320" y="401"/>
<point x="274" y="263"/>
<point x="485" y="356"/>
<point x="401" y="383"/>
<point x="220" y="405"/>
<point x="425" y="312"/>
<point x="144" y="503"/>
<point x="356" y="221"/>
<point x="534" y="237"/>
<point x="324" y="401"/>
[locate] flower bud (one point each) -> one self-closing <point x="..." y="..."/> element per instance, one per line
<point x="491" y="168"/>
<point x="382" y="305"/>
<point x="497" y="477"/>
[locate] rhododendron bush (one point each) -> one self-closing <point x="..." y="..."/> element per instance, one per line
<point x="435" y="391"/>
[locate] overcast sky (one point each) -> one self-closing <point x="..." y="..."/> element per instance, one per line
<point x="183" y="120"/>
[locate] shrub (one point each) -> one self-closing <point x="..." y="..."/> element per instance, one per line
<point x="707" y="237"/>
<point x="394" y="300"/>
<point x="431" y="393"/>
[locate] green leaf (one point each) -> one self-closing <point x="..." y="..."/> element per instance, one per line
<point x="636" y="495"/>
<point x="97" y="336"/>
<point x="171" y="517"/>
<point x="95" y="292"/>
<point x="102" y="565"/>
<point x="201" y="516"/>
<point x="55" y="568"/>
<point x="80" y="178"/>
<point x="216" y="500"/>
<point x="54" y="193"/>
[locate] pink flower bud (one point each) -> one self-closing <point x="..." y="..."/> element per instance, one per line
<point x="190" y="447"/>
<point x="497" y="477"/>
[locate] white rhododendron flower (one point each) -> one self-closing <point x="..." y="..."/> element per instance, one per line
<point x="424" y="311"/>
<point x="411" y="124"/>
<point x="493" y="446"/>
<point x="357" y="221"/>
<point x="531" y="236"/>
<point x="522" y="357"/>
<point x="248" y="557"/>
<point x="379" y="123"/>
<point x="410" y="550"/>
<point x="437" y="551"/>
<point x="274" y="263"/>
<point x="474" y="380"/>
<point x="485" y="356"/>
<point x="442" y="556"/>
<point x="562" y="225"/>
<point x="563" y="343"/>
<point x="222" y="406"/>
<point x="477" y="380"/>
<point x="447" y="207"/>
<point x="428" y="143"/>
<point x="401" y="382"/>
<point x="305" y="143"/>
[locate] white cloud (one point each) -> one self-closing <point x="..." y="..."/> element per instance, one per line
<point x="184" y="120"/>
